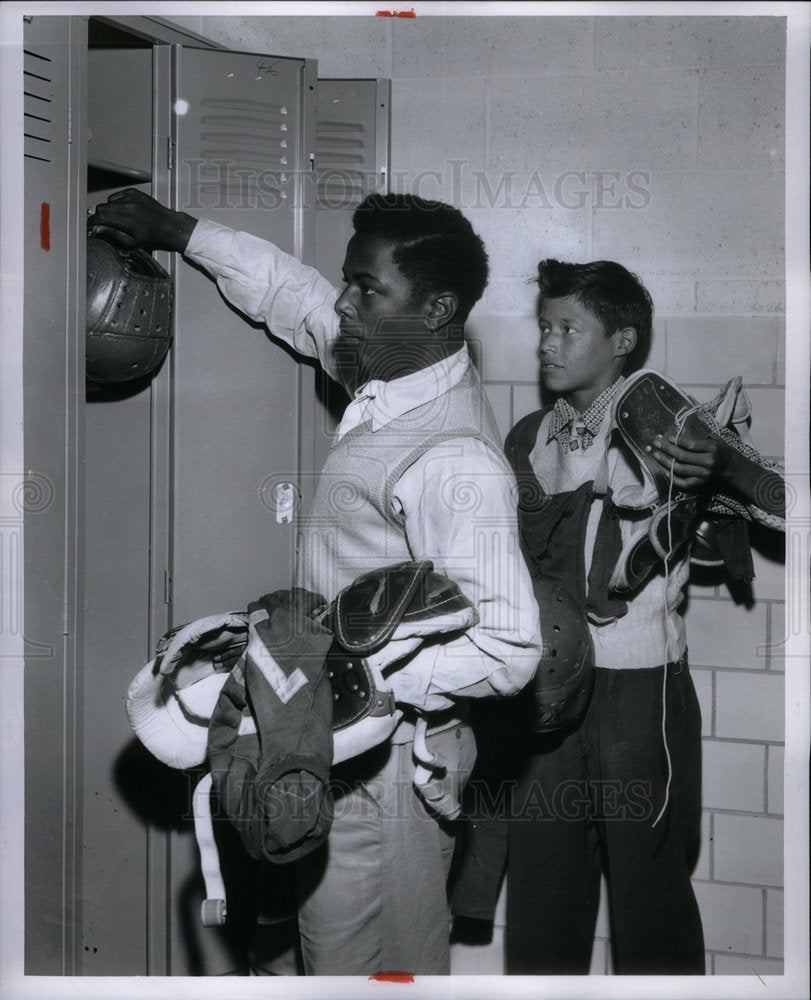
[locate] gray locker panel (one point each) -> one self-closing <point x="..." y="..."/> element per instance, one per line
<point x="116" y="608"/>
<point x="351" y="161"/>
<point x="236" y="394"/>
<point x="126" y="541"/>
<point x="119" y="108"/>
<point x="157" y="856"/>
<point x="236" y="400"/>
<point x="113" y="881"/>
<point x="51" y="496"/>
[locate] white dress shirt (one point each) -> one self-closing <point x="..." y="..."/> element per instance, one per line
<point x="457" y="500"/>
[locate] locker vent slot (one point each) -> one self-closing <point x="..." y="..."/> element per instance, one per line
<point x="344" y="162"/>
<point x="244" y="145"/>
<point x="37" y="105"/>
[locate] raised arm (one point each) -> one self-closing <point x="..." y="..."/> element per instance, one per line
<point x="266" y="284"/>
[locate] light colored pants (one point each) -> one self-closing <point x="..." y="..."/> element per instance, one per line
<point x="373" y="898"/>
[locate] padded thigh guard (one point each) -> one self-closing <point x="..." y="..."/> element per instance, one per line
<point x="650" y="404"/>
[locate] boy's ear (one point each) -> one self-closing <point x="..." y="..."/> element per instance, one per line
<point x="444" y="307"/>
<point x="626" y="341"/>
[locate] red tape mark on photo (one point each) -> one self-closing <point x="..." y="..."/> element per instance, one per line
<point x="45" y="226"/>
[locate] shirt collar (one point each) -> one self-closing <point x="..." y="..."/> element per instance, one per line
<point x="564" y="414"/>
<point x="392" y="399"/>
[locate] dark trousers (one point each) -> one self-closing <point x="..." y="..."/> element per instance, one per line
<point x="587" y="803"/>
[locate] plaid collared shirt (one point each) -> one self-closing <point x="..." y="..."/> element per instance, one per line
<point x="575" y="430"/>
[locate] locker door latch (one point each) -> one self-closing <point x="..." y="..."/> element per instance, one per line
<point x="286" y="497"/>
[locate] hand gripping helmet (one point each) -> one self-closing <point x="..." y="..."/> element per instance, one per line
<point x="129" y="313"/>
<point x="563" y="681"/>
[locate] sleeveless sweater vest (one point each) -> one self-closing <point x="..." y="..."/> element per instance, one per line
<point x="352" y="527"/>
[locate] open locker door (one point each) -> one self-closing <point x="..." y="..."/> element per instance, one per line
<point x="49" y="495"/>
<point x="351" y="161"/>
<point x="241" y="159"/>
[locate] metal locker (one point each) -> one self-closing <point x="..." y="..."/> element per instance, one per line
<point x="139" y="480"/>
<point x="239" y="161"/>
<point x="50" y="490"/>
<point x="128" y="498"/>
<point x="351" y="161"/>
<point x="242" y="159"/>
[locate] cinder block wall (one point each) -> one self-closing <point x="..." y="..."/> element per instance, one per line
<point x="657" y="142"/>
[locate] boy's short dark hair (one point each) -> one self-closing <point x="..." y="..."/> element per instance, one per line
<point x="615" y="296"/>
<point x="436" y="247"/>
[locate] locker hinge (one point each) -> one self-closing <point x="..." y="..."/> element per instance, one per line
<point x="167" y="587"/>
<point x="170" y="153"/>
<point x="65" y="617"/>
<point x="312" y="161"/>
<point x="70" y="124"/>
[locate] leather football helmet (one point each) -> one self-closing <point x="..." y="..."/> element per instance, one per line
<point x="130" y="298"/>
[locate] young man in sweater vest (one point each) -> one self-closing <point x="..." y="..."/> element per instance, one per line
<point x="416" y="472"/>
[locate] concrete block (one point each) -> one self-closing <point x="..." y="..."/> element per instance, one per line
<point x="770" y="575"/>
<point x="490" y="46"/>
<point x="749" y="706"/>
<point x="732" y="778"/>
<point x="343" y="46"/>
<point x="738" y="297"/>
<point x="723" y="634"/>
<point x="431" y="125"/>
<point x="702" y="869"/>
<point x="657" y="352"/>
<point x="702" y="223"/>
<point x="741" y="116"/>
<point x="507" y="346"/>
<point x="505" y="186"/>
<point x="768" y="418"/>
<point x="781" y="628"/>
<point x="688" y="41"/>
<point x="738" y="965"/>
<point x="500" y="400"/>
<point x="710" y="350"/>
<point x="672" y="296"/>
<point x="702" y="681"/>
<point x="774" y="923"/>
<point x="516" y="239"/>
<point x="509" y="294"/>
<point x="775" y="758"/>
<point x="780" y="367"/>
<point x="594" y="123"/>
<point x="480" y="959"/>
<point x="732" y="916"/>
